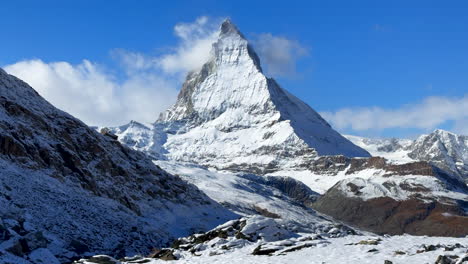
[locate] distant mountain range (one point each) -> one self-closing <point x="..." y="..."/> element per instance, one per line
<point x="446" y="150"/>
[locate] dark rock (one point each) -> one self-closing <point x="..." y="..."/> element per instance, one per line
<point x="259" y="251"/>
<point x="108" y="133"/>
<point x="444" y="259"/>
<point x="413" y="216"/>
<point x="265" y="212"/>
<point x="35" y="240"/>
<point x="294" y="189"/>
<point x="17" y="248"/>
<point x="102" y="260"/>
<point x="4" y="233"/>
<point x="163" y="254"/>
<point x="78" y="247"/>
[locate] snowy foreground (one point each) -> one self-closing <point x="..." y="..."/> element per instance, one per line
<point x="288" y="233"/>
<point x="397" y="249"/>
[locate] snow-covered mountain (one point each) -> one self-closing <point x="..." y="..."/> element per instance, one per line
<point x="444" y="149"/>
<point x="257" y="150"/>
<point x="67" y="191"/>
<point x="229" y="115"/>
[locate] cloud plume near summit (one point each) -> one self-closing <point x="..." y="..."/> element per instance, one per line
<point x="99" y="96"/>
<point x="148" y="84"/>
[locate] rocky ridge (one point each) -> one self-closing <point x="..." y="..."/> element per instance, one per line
<point x="444" y="149"/>
<point x="67" y="191"/>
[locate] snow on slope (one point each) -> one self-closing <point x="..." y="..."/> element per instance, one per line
<point x="446" y="150"/>
<point x="350" y="249"/>
<point x="230" y="115"/>
<point x="245" y="194"/>
<point x="395" y="150"/>
<point x="68" y="191"/>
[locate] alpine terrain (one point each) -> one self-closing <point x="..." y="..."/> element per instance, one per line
<point x="67" y="191"/>
<point x="441" y="148"/>
<point x="235" y="133"/>
<point x="229" y="115"/>
<point x="238" y="169"/>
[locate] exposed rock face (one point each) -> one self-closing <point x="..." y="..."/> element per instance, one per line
<point x="415" y="198"/>
<point x="83" y="191"/>
<point x="229" y="115"/>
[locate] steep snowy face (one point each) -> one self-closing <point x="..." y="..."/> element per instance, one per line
<point x="230" y="115"/>
<point x="394" y="149"/>
<point x="67" y="190"/>
<point x="232" y="79"/>
<point x="446" y="150"/>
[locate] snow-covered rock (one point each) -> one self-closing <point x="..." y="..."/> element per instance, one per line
<point x="67" y="191"/>
<point x="444" y="149"/>
<point x="229" y="115"/>
<point x="447" y="150"/>
<point x="415" y="198"/>
<point x="368" y="249"/>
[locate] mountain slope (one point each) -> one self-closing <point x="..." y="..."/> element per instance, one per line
<point x="68" y="191"/>
<point x="230" y="115"/>
<point x="415" y="198"/>
<point x="446" y="150"/>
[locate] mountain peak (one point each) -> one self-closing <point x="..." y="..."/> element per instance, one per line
<point x="228" y="28"/>
<point x="245" y="119"/>
<point x="442" y="132"/>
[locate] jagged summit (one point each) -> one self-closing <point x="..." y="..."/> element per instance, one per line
<point x="228" y="28"/>
<point x="230" y="115"/>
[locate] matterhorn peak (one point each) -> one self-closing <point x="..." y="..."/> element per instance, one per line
<point x="229" y="115"/>
<point x="228" y="28"/>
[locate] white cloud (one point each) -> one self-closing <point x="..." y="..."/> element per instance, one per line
<point x="147" y="87"/>
<point x="195" y="46"/>
<point x="94" y="96"/>
<point x="148" y="84"/>
<point x="429" y="114"/>
<point x="279" y="54"/>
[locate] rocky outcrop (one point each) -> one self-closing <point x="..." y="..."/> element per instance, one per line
<point x="271" y="237"/>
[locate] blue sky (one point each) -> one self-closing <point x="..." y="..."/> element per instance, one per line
<point x="357" y="56"/>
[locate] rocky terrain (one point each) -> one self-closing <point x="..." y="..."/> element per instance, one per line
<point x="67" y="191"/>
<point x="229" y="116"/>
<point x="413" y="198"/>
<point x="238" y="169"/>
<point x="444" y="149"/>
